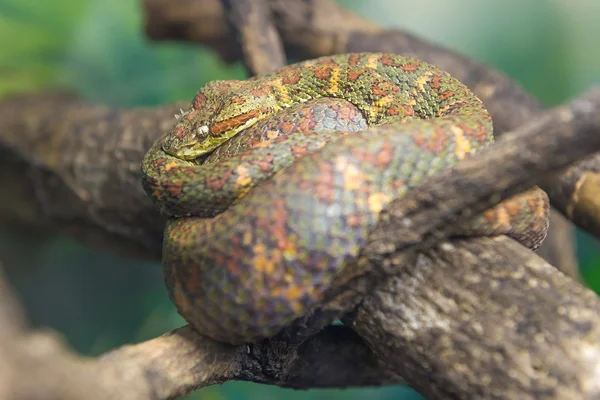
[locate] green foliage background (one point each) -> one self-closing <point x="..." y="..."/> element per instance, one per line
<point x="97" y="49"/>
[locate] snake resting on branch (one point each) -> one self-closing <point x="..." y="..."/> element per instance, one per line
<point x="273" y="184"/>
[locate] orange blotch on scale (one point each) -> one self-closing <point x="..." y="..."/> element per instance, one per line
<point x="389" y="61"/>
<point x="385" y="155"/>
<point x="299" y="151"/>
<point x="218" y="259"/>
<point x="353" y="59"/>
<point x="346" y="113"/>
<point x="169" y="165"/>
<point x="438" y="141"/>
<point x="323" y="71"/>
<point x="419" y="140"/>
<point x="218" y="128"/>
<point x="291" y="78"/>
<point x="409" y="67"/>
<point x="286" y="127"/>
<point x="324" y="192"/>
<point x="217" y="184"/>
<point x="383" y="88"/>
<point x="539" y="204"/>
<point x="399" y="186"/>
<point x="279" y="227"/>
<point x="353" y="75"/>
<point x="435" y="82"/>
<point x="353" y="220"/>
<point x="445" y="95"/>
<point x="261" y="92"/>
<point x="233" y="265"/>
<point x="512" y="207"/>
<point x="180" y="132"/>
<point x="324" y="188"/>
<point x="392" y="111"/>
<point x="265" y="164"/>
<point x="174" y="190"/>
<point x="199" y="101"/>
<point x="498" y="216"/>
<point x="307" y="124"/>
<point x="480" y="133"/>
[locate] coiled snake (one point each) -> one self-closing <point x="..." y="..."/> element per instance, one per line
<point x="241" y="263"/>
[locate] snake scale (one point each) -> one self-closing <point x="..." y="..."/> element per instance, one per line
<point x="328" y="143"/>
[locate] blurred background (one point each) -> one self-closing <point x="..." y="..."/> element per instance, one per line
<point x="97" y="49"/>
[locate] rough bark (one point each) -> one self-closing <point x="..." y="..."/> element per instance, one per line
<point x="485" y="319"/>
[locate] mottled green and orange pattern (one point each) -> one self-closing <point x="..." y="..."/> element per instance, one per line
<point x="273" y="184"/>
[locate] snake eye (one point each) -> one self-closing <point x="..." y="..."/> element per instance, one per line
<point x="202" y="130"/>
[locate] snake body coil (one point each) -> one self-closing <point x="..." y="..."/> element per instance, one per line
<point x="243" y="263"/>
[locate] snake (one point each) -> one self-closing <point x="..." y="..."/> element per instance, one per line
<point x="272" y="185"/>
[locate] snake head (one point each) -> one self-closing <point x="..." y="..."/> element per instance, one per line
<point x="220" y="110"/>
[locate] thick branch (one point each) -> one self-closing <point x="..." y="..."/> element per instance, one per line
<point x="487" y="319"/>
<point x="73" y="167"/>
<point x="257" y="37"/>
<point x="182" y="361"/>
<point x="173" y="364"/>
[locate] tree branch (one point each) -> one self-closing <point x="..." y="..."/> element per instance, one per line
<point x="251" y="23"/>
<point x="172" y="365"/>
<point x="74" y="168"/>
<point x="488" y="319"/>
